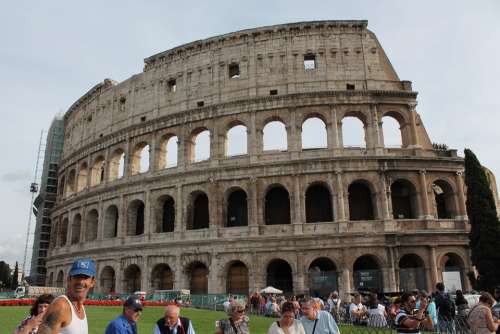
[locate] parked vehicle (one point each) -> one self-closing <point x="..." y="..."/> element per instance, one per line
<point x="35" y="291"/>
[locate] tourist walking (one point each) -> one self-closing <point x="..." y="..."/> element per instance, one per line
<point x="287" y="324"/>
<point x="236" y="323"/>
<point x="445" y="310"/>
<point x="173" y="323"/>
<point x="30" y="324"/>
<point x="126" y="323"/>
<point x="66" y="314"/>
<point x="316" y="321"/>
<point x="480" y="318"/>
<point x="334" y="302"/>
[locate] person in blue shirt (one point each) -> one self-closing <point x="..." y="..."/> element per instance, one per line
<point x="126" y="323"/>
<point x="316" y="321"/>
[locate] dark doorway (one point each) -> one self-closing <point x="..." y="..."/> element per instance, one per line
<point x="277" y="208"/>
<point x="367" y="274"/>
<point x="237" y="278"/>
<point x="360" y="202"/>
<point x="198" y="280"/>
<point x="200" y="212"/>
<point x="403" y="197"/>
<point x="318" y="204"/>
<point x="322" y="277"/>
<point x="279" y="275"/>
<point x="237" y="211"/>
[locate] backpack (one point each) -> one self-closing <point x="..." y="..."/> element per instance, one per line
<point x="445" y="307"/>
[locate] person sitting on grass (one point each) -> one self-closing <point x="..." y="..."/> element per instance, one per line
<point x="237" y="323"/>
<point x="31" y="323"/>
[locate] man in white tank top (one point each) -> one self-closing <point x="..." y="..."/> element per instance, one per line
<point x="66" y="314"/>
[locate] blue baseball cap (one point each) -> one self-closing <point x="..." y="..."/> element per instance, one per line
<point x="83" y="267"/>
<point x="134" y="303"/>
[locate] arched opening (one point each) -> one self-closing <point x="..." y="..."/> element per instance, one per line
<point x="279" y="275"/>
<point x="201" y="150"/>
<point x="117" y="165"/>
<point x="111" y="222"/>
<point x="132" y="279"/>
<point x="97" y="172"/>
<point x="453" y="272"/>
<point x="135" y="218"/>
<point x="62" y="184"/>
<point x="70" y="185"/>
<point x="140" y="159"/>
<point x="237" y="278"/>
<point x="318" y="204"/>
<point x="314" y="134"/>
<point x="162" y="277"/>
<point x="391" y="132"/>
<point x="444" y="198"/>
<point x="82" y="177"/>
<point x="322" y="277"/>
<point x="200" y="214"/>
<point x="165" y="214"/>
<point x="198" y="278"/>
<point x="277" y="206"/>
<point x="353" y="132"/>
<point x="275" y="136"/>
<point x="63" y="232"/>
<point x="411" y="273"/>
<point x="60" y="279"/>
<point x="54" y="235"/>
<point x="76" y="228"/>
<point x="236" y="141"/>
<point x="367" y="274"/>
<point x="108" y="280"/>
<point x="168" y="152"/>
<point x="237" y="211"/>
<point x="91" y="226"/>
<point x="51" y="279"/>
<point x="404" y="200"/>
<point x="360" y="202"/>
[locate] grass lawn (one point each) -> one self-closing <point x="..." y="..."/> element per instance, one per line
<point x="100" y="316"/>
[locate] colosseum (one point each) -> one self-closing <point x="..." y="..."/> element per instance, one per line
<point x="140" y="193"/>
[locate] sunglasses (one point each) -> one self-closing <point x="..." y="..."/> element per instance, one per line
<point x="240" y="311"/>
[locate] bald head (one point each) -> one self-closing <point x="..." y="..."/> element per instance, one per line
<point x="172" y="315"/>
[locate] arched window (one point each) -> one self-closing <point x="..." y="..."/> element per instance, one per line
<point x="279" y="275"/>
<point x="51" y="279"/>
<point x="70" y="185"/>
<point x="277" y="206"/>
<point x="62" y="184"/>
<point x="237" y="278"/>
<point x="411" y="273"/>
<point x="314" y="133"/>
<point x="200" y="211"/>
<point x="97" y="172"/>
<point x="82" y="177"/>
<point x="404" y="200"/>
<point x="135" y="218"/>
<point x="201" y="150"/>
<point x="236" y="141"/>
<point x="108" y="280"/>
<point x="117" y="165"/>
<point x="91" y="228"/>
<point x="353" y="132"/>
<point x="322" y="277"/>
<point x="318" y="204"/>
<point x="275" y="136"/>
<point x="360" y="202"/>
<point x="198" y="278"/>
<point x="76" y="228"/>
<point x="162" y="277"/>
<point x="391" y="132"/>
<point x="140" y="159"/>
<point x="63" y="232"/>
<point x="168" y="152"/>
<point x="367" y="274"/>
<point x="111" y="222"/>
<point x="132" y="279"/>
<point x="165" y="214"/>
<point x="453" y="270"/>
<point x="60" y="279"/>
<point x="237" y="211"/>
<point x="444" y="199"/>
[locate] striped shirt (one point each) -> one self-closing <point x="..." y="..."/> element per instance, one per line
<point x="400" y="319"/>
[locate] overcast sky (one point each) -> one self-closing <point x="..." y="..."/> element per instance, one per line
<point x="52" y="52"/>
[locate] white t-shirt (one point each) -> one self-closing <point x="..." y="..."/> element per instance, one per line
<point x="355" y="307"/>
<point x="295" y="328"/>
<point x="376" y="316"/>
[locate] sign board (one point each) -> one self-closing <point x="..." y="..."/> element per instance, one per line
<point x="452" y="281"/>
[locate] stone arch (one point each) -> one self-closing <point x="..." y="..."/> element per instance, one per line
<point x="199" y="215"/>
<point x="135" y="218"/>
<point x="117" y="165"/>
<point x="236" y="139"/>
<point x="63" y="232"/>
<point x="82" y="177"/>
<point x="367" y="273"/>
<point x="314" y="134"/>
<point x="97" y="171"/>
<point x="162" y="277"/>
<point x="322" y="277"/>
<point x="110" y="227"/>
<point x="51" y="279"/>
<point x="60" y="279"/>
<point x="353" y="129"/>
<point x="165" y="214"/>
<point x="200" y="141"/>
<point x="444" y="199"/>
<point x="274" y="135"/>
<point x="237" y="281"/>
<point x="404" y="198"/>
<point x="361" y="201"/>
<point x="92" y="222"/>
<point x="108" y="280"/>
<point x="168" y="152"/>
<point x="411" y="273"/>
<point x="237" y="207"/>
<point x="452" y="267"/>
<point x="76" y="227"/>
<point x="279" y="275"/>
<point x="277" y="206"/>
<point x="392" y="130"/>
<point x="132" y="279"/>
<point x="198" y="277"/>
<point x="318" y="204"/>
<point x="62" y="184"/>
<point x="140" y="158"/>
<point x="71" y="183"/>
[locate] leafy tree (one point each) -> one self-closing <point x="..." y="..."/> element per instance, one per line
<point x="485" y="227"/>
<point x="5" y="278"/>
<point x="15" y="277"/>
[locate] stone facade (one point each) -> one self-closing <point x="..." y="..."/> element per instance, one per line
<point x="305" y="220"/>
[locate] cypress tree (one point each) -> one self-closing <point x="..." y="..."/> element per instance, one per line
<point x="485" y="227"/>
<point x="5" y="278"/>
<point x="15" y="281"/>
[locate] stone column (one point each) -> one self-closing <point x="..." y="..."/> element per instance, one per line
<point x="294" y="139"/>
<point x="299" y="285"/>
<point x="122" y="218"/>
<point x="253" y="214"/>
<point x="148" y="215"/>
<point x="213" y="281"/>
<point x="332" y="130"/>
<point x="425" y="196"/>
<point x="179" y="282"/>
<point x="153" y="155"/>
<point x="215" y="146"/>
<point x="179" y="226"/>
<point x="345" y="284"/>
<point x="391" y="271"/>
<point x="462" y="210"/>
<point x="413" y="124"/>
<point x="433" y="266"/>
<point x="255" y="140"/>
<point x="340" y="213"/>
<point x="297" y="217"/>
<point x="384" y="196"/>
<point x="377" y="132"/>
<point x="100" y="220"/>
<point x="145" y="274"/>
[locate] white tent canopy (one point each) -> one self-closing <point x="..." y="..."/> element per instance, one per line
<point x="271" y="289"/>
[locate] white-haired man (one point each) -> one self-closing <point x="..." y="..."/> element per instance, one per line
<point x="173" y="323"/>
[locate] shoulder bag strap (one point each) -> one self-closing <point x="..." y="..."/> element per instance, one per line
<point x="314" y="327"/>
